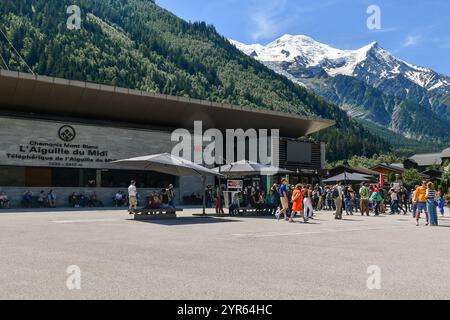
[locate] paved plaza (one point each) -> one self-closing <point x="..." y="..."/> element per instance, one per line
<point x="220" y="258"/>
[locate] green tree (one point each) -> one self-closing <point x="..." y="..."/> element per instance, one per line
<point x="411" y="177"/>
<point x="391" y="177"/>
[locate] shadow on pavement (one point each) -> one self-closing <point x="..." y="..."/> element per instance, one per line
<point x="57" y="209"/>
<point x="181" y="221"/>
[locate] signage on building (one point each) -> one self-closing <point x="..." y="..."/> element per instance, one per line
<point x="235" y="184"/>
<point x="25" y="142"/>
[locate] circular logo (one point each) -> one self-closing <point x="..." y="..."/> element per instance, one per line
<point x="67" y="133"/>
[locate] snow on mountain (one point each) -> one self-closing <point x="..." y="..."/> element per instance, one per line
<point x="370" y="63"/>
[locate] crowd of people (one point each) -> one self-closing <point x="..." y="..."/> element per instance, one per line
<point x="165" y="199"/>
<point x="423" y="199"/>
<point x="303" y="200"/>
<point x="282" y="200"/>
<point x="83" y="200"/>
<point x="41" y="200"/>
<point x="250" y="197"/>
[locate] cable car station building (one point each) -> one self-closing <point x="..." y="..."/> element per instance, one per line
<point x="61" y="134"/>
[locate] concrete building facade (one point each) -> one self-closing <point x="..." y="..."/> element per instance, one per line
<point x="62" y="135"/>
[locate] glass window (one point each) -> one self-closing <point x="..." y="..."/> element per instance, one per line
<point x="12" y="176"/>
<point x="89" y="178"/>
<point x="62" y="177"/>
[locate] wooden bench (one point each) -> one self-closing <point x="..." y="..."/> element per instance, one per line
<point x="251" y="212"/>
<point x="152" y="214"/>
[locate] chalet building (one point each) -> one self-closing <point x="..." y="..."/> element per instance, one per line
<point x="422" y="162"/>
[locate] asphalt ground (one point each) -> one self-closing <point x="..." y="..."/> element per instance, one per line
<point x="221" y="258"/>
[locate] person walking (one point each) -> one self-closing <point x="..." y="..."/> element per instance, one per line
<point x="403" y="201"/>
<point x="321" y="193"/>
<point x="431" y="196"/>
<point x="329" y="199"/>
<point x="441" y="201"/>
<point x="414" y="202"/>
<point x="420" y="198"/>
<point x="297" y="203"/>
<point x="276" y="200"/>
<point x="132" y="196"/>
<point x="364" y="193"/>
<point x="171" y="192"/>
<point x="394" y="202"/>
<point x="376" y="198"/>
<point x="338" y="199"/>
<point x="307" y="203"/>
<point x="284" y="200"/>
<point x="381" y="200"/>
<point x="219" y="201"/>
<point x="348" y="201"/>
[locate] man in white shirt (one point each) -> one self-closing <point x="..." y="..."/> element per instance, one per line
<point x="132" y="195"/>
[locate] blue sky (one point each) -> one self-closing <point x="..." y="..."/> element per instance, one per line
<point x="413" y="30"/>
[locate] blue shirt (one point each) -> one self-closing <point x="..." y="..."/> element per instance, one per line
<point x="282" y="190"/>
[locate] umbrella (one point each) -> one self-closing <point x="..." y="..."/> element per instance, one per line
<point x="169" y="164"/>
<point x="249" y="168"/>
<point x="347" y="177"/>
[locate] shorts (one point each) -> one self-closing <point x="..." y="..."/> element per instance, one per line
<point x="133" y="201"/>
<point x="421" y="206"/>
<point x="284" y="203"/>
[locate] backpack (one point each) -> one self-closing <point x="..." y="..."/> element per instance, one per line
<point x="335" y="193"/>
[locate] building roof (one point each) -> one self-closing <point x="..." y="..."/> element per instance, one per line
<point x="445" y="153"/>
<point x="359" y="170"/>
<point x="24" y="92"/>
<point x="389" y="167"/>
<point x="427" y="159"/>
<point x="400" y="165"/>
<point x="396" y="169"/>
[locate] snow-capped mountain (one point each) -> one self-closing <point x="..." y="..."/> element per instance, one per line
<point x="369" y="83"/>
<point x="370" y="63"/>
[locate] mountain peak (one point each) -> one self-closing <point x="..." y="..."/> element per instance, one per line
<point x="370" y="61"/>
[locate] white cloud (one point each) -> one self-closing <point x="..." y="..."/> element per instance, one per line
<point x="411" y="41"/>
<point x="268" y="20"/>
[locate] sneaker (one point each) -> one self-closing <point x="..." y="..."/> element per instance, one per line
<point x="417" y="223"/>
